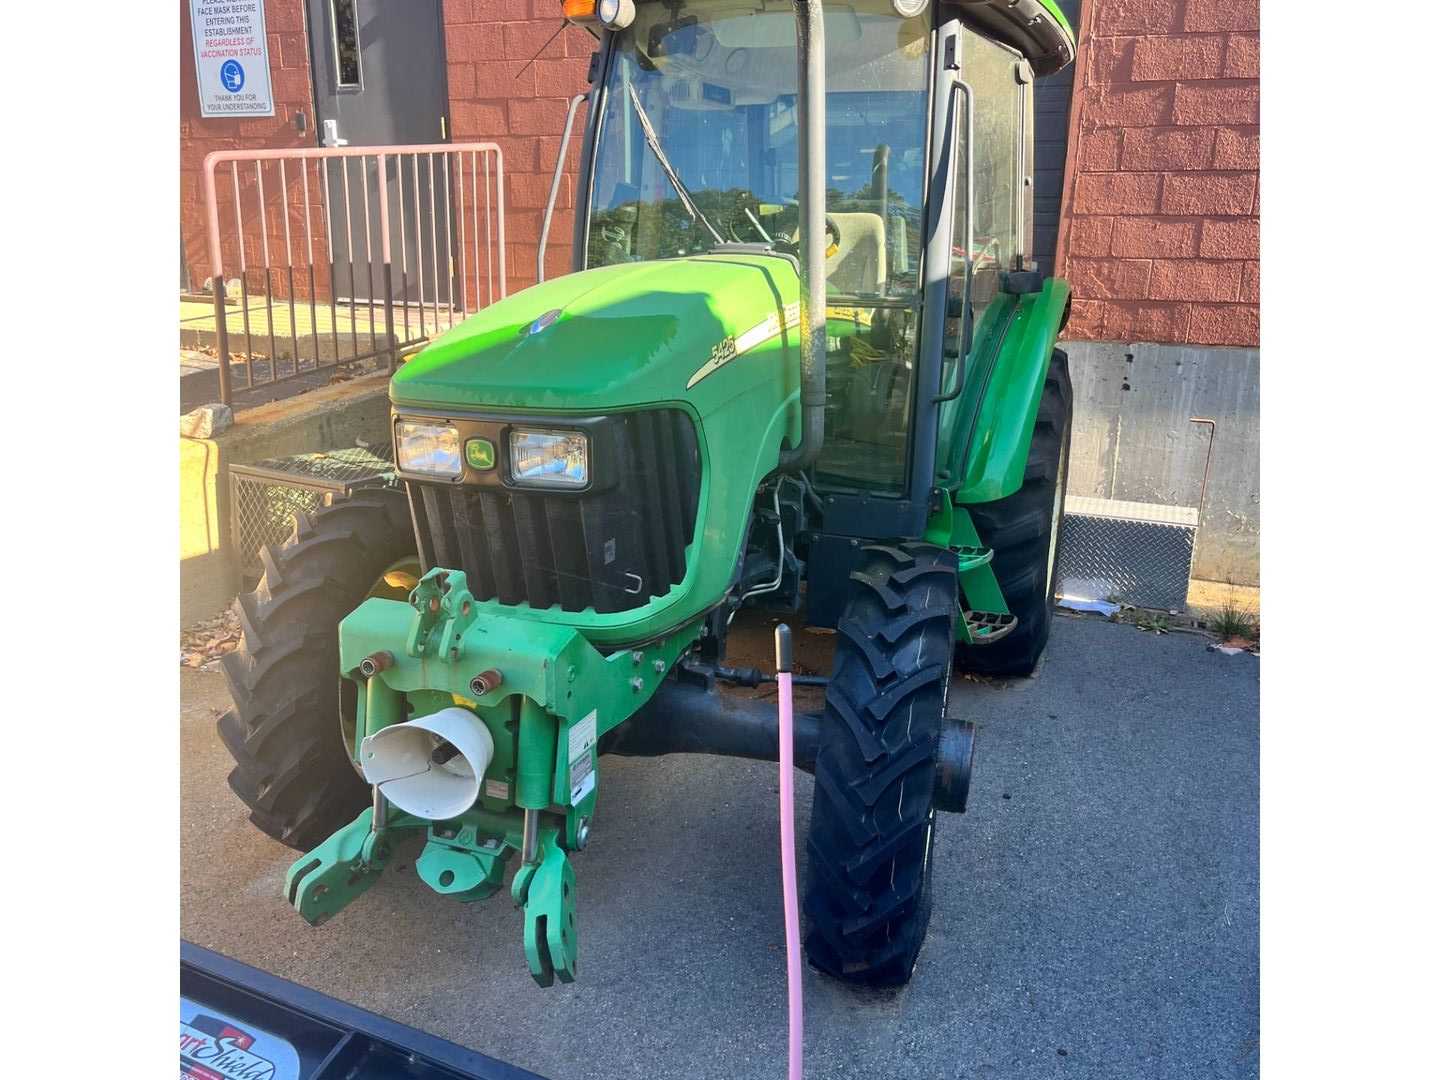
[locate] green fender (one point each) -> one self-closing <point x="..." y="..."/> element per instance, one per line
<point x="985" y="431"/>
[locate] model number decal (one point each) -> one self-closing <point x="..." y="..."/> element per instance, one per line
<point x="724" y="352"/>
<point x="732" y="346"/>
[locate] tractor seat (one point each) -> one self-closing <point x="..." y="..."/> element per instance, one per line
<point x="859" y="266"/>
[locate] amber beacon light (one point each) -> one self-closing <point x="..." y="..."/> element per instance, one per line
<point x="611" y="14"/>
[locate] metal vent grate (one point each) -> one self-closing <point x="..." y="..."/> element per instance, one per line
<point x="266" y="496"/>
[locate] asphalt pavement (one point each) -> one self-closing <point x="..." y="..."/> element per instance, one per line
<point x="1096" y="910"/>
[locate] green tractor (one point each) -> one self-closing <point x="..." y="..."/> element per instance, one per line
<point x="804" y="361"/>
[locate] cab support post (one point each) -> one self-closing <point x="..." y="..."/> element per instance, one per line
<point x="810" y="61"/>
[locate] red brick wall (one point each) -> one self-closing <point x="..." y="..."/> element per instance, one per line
<point x="290" y="83"/>
<point x="1160" y="228"/>
<point x="496" y="96"/>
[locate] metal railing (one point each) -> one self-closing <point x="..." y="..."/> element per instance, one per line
<point x="307" y="314"/>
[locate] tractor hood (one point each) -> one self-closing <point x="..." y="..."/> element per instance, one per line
<point x="613" y="337"/>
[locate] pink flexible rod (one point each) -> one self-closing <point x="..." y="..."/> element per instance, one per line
<point x="787" y="852"/>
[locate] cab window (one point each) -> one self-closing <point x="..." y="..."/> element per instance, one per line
<point x="992" y="221"/>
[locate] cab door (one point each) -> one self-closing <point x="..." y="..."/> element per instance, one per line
<point x="995" y="191"/>
<point x="994" y="208"/>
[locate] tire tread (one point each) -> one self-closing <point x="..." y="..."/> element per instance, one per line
<point x="871" y="824"/>
<point x="291" y="768"/>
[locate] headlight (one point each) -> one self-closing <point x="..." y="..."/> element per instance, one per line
<point x="427" y="448"/>
<point x="550" y="458"/>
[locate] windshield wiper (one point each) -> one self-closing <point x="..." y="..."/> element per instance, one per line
<point x="652" y="141"/>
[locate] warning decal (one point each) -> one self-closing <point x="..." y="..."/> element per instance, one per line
<point x="582" y="758"/>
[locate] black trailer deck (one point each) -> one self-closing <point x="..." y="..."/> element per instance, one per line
<point x="240" y="1023"/>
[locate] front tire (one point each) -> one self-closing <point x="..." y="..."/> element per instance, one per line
<point x="291" y="765"/>
<point x="1023" y="530"/>
<point x="872" y="825"/>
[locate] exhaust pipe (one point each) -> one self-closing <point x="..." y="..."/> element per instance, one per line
<point x="810" y="64"/>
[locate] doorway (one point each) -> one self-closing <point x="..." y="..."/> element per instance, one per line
<point x="379" y="74"/>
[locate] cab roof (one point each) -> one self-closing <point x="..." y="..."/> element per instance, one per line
<point x="1037" y="29"/>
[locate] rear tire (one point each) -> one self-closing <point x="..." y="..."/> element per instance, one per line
<point x="291" y="765"/>
<point x="872" y="825"/>
<point x="1024" y="530"/>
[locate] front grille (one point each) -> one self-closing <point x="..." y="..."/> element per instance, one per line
<point x="612" y="548"/>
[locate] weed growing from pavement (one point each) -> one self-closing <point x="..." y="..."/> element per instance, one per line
<point x="1149" y="620"/>
<point x="1234" y="621"/>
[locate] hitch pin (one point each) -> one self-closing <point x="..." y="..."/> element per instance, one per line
<point x="379" y="820"/>
<point x="530" y="838"/>
<point x="379" y="816"/>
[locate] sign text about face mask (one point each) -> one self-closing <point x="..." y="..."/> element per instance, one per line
<point x="232" y="59"/>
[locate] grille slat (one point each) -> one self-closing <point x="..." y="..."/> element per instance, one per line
<point x="568" y="544"/>
<point x="688" y="473"/>
<point x="537" y="561"/>
<point x="442" y="529"/>
<point x="602" y="545"/>
<point x="669" y="464"/>
<point x="502" y="545"/>
<point x="471" y="537"/>
<point x="647" y="472"/>
<point x="420" y="519"/>
<point x="612" y="548"/>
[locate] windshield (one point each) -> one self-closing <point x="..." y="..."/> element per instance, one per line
<point x="698" y="146"/>
<point x="698" y="137"/>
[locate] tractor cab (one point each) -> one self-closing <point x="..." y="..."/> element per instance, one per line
<point x="697" y="149"/>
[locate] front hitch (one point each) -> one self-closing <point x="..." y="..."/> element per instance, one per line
<point x="324" y="880"/>
<point x="465" y="859"/>
<point x="546" y="890"/>
<point x="468" y="710"/>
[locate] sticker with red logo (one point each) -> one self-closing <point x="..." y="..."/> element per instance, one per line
<point x="214" y="1046"/>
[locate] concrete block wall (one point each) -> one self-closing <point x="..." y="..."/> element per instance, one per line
<point x="1135" y="438"/>
<point x="1160" y="228"/>
<point x="511" y="76"/>
<point x="1160" y="240"/>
